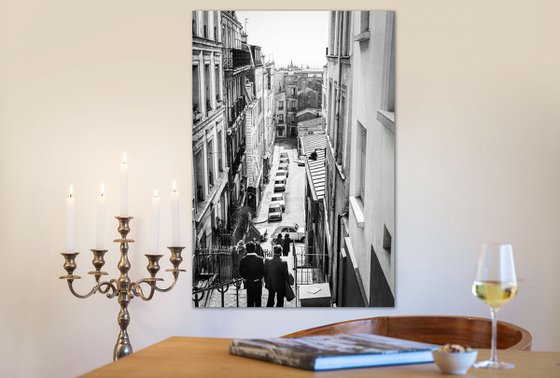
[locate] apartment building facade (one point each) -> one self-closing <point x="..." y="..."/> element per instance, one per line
<point x="359" y="199"/>
<point x="296" y="90"/>
<point x="210" y="201"/>
<point x="237" y="65"/>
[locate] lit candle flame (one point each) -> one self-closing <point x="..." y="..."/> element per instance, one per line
<point x="174" y="185"/>
<point x="156" y="194"/>
<point x="71" y="191"/>
<point x="102" y="193"/>
<point x="124" y="158"/>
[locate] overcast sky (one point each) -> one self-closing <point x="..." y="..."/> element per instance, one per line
<point x="300" y="36"/>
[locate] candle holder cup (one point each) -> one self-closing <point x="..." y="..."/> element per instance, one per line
<point x="122" y="287"/>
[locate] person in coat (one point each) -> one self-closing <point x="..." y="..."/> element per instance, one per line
<point x="251" y="268"/>
<point x="275" y="278"/>
<point x="286" y="244"/>
<point x="258" y="248"/>
<point x="279" y="240"/>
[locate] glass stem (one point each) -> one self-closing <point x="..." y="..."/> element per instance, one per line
<point x="494" y="345"/>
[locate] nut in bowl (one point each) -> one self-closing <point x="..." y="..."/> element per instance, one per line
<point x="454" y="358"/>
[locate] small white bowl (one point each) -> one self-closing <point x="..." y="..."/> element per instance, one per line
<point x="454" y="363"/>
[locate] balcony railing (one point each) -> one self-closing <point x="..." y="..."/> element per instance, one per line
<point x="236" y="58"/>
<point x="237" y="161"/>
<point x="236" y="110"/>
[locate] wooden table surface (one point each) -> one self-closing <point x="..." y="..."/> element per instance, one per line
<point x="209" y="357"/>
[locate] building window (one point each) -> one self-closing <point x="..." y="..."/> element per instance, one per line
<point x="345" y="29"/>
<point x="280" y="105"/>
<point x="340" y="130"/>
<point x="292" y="104"/>
<point x="364" y="21"/>
<point x="389" y="66"/>
<point x="362" y="161"/>
<point x="205" y="24"/>
<point x="210" y="153"/>
<point x="337" y="23"/>
<point x="387" y="239"/>
<point x="293" y="91"/>
<point x="217" y="81"/>
<point x="281" y="118"/>
<point x="216" y="23"/>
<point x="199" y="176"/>
<point x="196" y="89"/>
<point x="329" y="106"/>
<point x="220" y="152"/>
<point x="194" y="24"/>
<point x="332" y="28"/>
<point x="207" y="88"/>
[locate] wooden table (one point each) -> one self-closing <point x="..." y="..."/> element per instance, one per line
<point x="208" y="357"/>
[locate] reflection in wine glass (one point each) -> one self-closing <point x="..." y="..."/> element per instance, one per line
<point x="495" y="284"/>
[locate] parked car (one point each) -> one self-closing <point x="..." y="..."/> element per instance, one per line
<point x="284" y="155"/>
<point x="279" y="184"/>
<point x="301" y="161"/>
<point x="284" y="167"/>
<point x="279" y="198"/>
<point x="296" y="232"/>
<point x="281" y="174"/>
<point x="284" y="160"/>
<point x="274" y="211"/>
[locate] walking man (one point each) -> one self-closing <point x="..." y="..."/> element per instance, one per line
<point x="287" y="242"/>
<point x="251" y="268"/>
<point x="275" y="278"/>
<point x="279" y="239"/>
<point x="258" y="248"/>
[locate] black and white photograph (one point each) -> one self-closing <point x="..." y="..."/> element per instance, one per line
<point x="293" y="158"/>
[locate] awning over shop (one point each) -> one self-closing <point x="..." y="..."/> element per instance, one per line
<point x="315" y="169"/>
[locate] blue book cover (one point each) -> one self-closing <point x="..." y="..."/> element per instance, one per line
<point x="335" y="351"/>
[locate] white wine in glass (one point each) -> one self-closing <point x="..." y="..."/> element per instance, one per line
<point x="495" y="284"/>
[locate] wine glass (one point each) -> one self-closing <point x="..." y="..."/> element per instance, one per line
<point x="495" y="284"/>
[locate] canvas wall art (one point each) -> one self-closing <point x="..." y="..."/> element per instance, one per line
<point x="293" y="165"/>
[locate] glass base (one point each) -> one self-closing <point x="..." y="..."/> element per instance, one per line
<point x="494" y="365"/>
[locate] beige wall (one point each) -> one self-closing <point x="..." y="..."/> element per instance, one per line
<point x="478" y="158"/>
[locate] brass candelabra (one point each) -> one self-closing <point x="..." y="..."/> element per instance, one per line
<point x="123" y="288"/>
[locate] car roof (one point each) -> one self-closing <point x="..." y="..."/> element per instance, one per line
<point x="280" y="227"/>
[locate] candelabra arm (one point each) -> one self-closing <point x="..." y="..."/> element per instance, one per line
<point x="136" y="289"/>
<point x="84" y="296"/>
<point x="175" y="260"/>
<point x="162" y="290"/>
<point x="102" y="287"/>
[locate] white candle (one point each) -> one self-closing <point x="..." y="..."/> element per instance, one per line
<point x="124" y="187"/>
<point x="175" y="236"/>
<point x="70" y="209"/>
<point x="100" y="219"/>
<point x="155" y="223"/>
